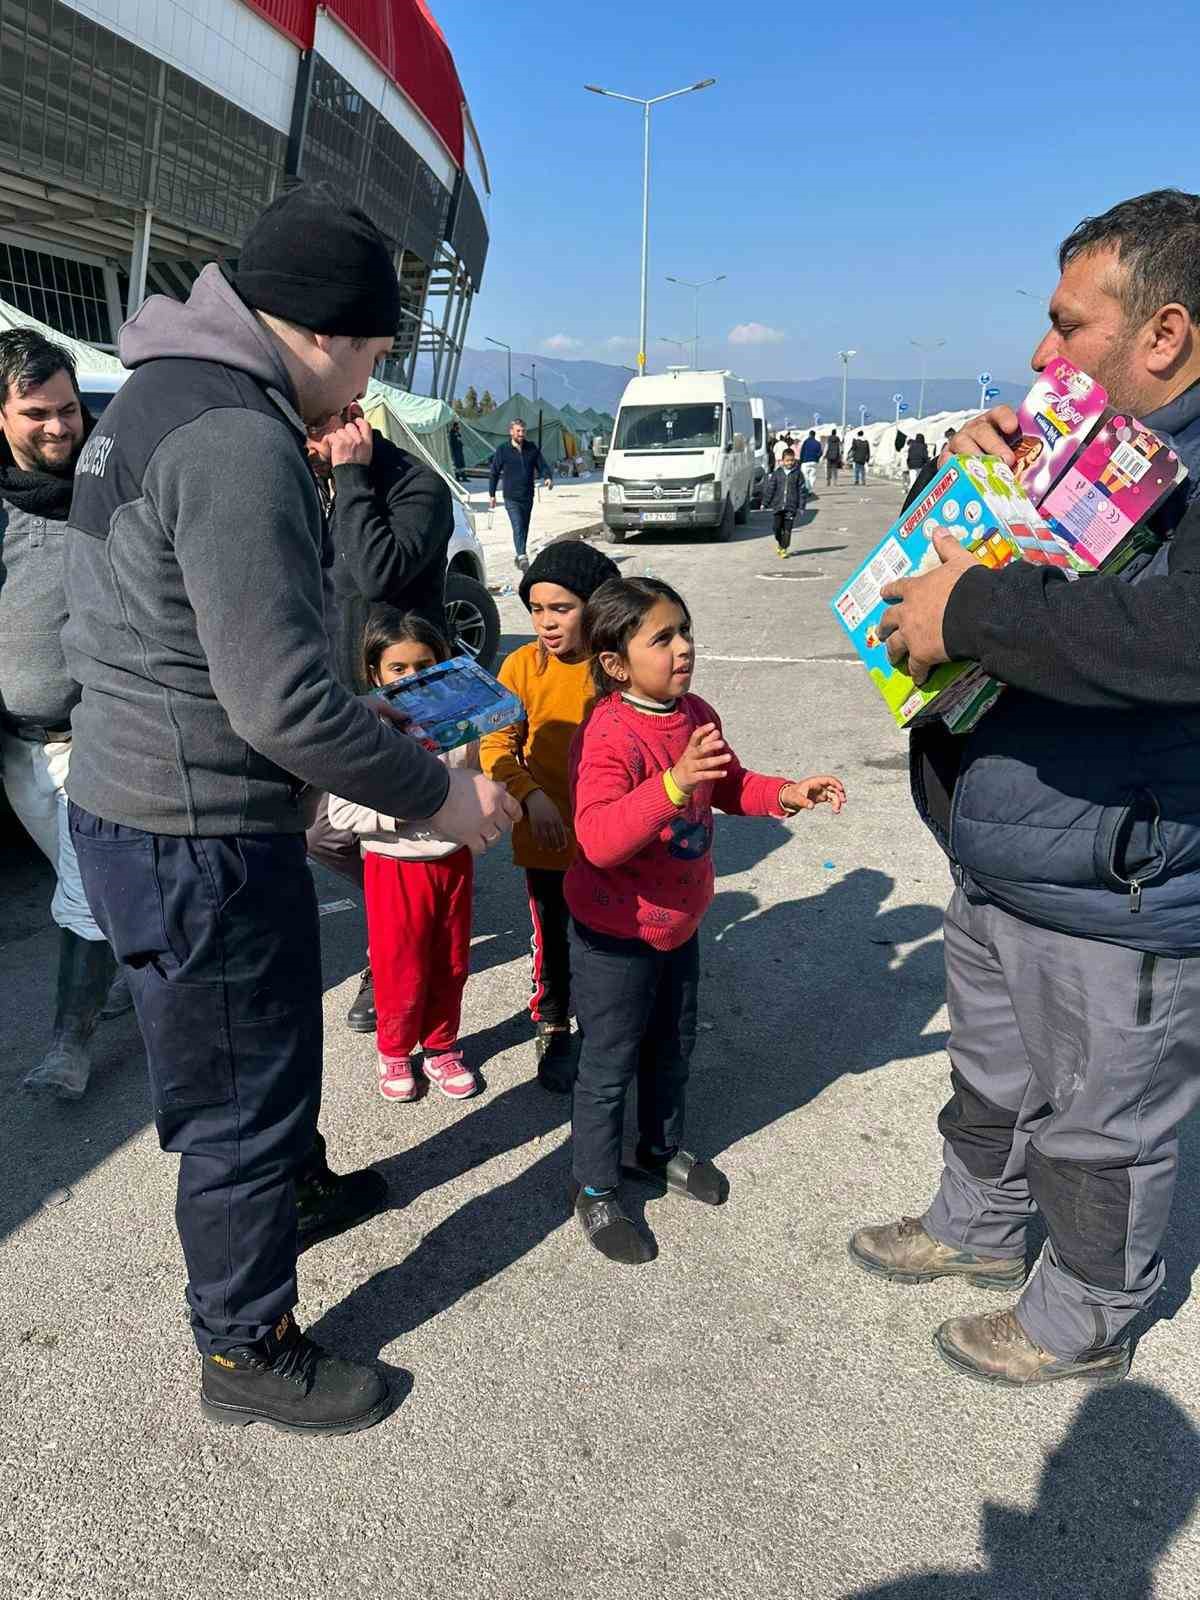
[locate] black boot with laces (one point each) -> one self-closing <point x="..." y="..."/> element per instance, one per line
<point x="290" y="1383"/>
<point x="329" y="1203"/>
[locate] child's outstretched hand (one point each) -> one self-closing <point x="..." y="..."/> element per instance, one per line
<point x="810" y="792"/>
<point x="703" y="761"/>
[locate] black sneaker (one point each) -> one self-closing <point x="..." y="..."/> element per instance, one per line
<point x="607" y="1229"/>
<point x="556" y="1064"/>
<point x="328" y="1203"/>
<point x="290" y="1383"/>
<point x="361" y="1016"/>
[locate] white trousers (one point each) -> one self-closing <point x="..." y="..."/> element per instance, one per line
<point x="809" y="469"/>
<point x="35" y="781"/>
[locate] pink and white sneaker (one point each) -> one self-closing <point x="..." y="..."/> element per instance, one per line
<point x="451" y="1075"/>
<point x="398" y="1077"/>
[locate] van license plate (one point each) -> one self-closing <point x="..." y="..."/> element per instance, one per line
<point x="658" y="516"/>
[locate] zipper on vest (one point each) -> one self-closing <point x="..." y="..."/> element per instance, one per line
<point x="1135" y="896"/>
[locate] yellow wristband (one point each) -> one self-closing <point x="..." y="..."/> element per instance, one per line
<point x="674" y="793"/>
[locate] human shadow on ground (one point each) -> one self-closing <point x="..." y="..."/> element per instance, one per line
<point x="1112" y="1498"/>
<point x="770" y="1056"/>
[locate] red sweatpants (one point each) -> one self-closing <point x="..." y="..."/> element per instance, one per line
<point x="419" y="934"/>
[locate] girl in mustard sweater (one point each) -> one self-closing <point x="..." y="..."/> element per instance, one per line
<point x="553" y="680"/>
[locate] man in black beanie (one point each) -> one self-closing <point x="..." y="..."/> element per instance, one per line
<point x="197" y="631"/>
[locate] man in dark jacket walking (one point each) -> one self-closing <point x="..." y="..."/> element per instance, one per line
<point x="1071" y="817"/>
<point x="517" y="465"/>
<point x="784" y="495"/>
<point x="833" y="458"/>
<point x="860" y="454"/>
<point x="917" y="458"/>
<point x="197" y="632"/>
<point x="391" y="520"/>
<point x="42" y="431"/>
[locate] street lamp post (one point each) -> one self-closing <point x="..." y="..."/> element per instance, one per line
<point x="532" y="376"/>
<point x="844" y="358"/>
<point x="680" y="344"/>
<point x="925" y="346"/>
<point x="500" y="345"/>
<point x="686" y="283"/>
<point x="636" y="100"/>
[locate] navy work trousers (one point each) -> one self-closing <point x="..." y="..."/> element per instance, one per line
<point x="222" y="945"/>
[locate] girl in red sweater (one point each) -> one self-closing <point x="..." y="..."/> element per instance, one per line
<point x="647" y="768"/>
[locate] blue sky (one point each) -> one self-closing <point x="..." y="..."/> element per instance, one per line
<point x="863" y="176"/>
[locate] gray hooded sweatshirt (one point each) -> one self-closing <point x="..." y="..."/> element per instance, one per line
<point x="196" y="592"/>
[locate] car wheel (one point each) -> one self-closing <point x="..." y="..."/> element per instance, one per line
<point x="723" y="532"/>
<point x="473" y="618"/>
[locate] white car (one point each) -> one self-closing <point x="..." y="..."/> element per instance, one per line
<point x="471" y="613"/>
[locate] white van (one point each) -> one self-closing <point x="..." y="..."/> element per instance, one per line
<point x="681" y="455"/>
<point x="762" y="456"/>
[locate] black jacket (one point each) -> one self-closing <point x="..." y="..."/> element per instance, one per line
<point x="390" y="525"/>
<point x="833" y="451"/>
<point x="784" y="491"/>
<point x="518" y="471"/>
<point x="918" y="455"/>
<point x="860" y="452"/>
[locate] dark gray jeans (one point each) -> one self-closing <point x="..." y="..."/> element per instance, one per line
<point x="1072" y="1065"/>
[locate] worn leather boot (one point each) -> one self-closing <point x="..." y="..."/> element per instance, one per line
<point x="85" y="970"/>
<point x="904" y="1253"/>
<point x="993" y="1346"/>
<point x="292" y="1384"/>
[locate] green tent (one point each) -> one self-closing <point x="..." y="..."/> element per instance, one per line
<point x="544" y="424"/>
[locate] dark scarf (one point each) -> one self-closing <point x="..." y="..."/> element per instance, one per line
<point x="38" y="494"/>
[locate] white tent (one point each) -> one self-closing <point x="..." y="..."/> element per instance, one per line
<point x="88" y="360"/>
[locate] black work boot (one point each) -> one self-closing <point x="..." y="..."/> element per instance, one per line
<point x="290" y="1383"/>
<point x="361" y="1016"/>
<point x="607" y="1229"/>
<point x="85" y="970"/>
<point x="329" y="1203"/>
<point x="556" y="1064"/>
<point x="683" y="1174"/>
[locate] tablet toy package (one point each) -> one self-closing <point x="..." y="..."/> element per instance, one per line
<point x="453" y="703"/>
<point x="963" y="500"/>
<point x="1057" y="417"/>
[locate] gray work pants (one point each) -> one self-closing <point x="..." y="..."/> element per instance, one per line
<point x="1072" y="1065"/>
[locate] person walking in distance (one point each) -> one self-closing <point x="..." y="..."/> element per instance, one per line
<point x="197" y="632"/>
<point x="783" y="495"/>
<point x="517" y="465"/>
<point x="810" y="456"/>
<point x="1071" y="819"/>
<point x="917" y="458"/>
<point x="833" y="458"/>
<point x="860" y="454"/>
<point x="42" y="430"/>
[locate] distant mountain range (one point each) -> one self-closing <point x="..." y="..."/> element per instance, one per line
<point x="599" y="384"/>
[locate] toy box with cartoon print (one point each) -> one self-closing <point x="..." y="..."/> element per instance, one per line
<point x="452" y="704"/>
<point x="975" y="499"/>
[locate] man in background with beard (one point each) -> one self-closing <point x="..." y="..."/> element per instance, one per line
<point x="43" y="429"/>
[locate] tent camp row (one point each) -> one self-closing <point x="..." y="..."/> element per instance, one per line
<point x="560" y="431"/>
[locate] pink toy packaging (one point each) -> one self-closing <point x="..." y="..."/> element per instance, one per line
<point x="1059" y="414"/>
<point x="1114" y="484"/>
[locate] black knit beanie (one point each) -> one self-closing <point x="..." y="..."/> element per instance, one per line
<point x="321" y="264"/>
<point x="573" y="565"/>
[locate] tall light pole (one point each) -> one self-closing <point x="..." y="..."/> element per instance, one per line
<point x="500" y="345"/>
<point x="844" y="358"/>
<point x="686" y="283"/>
<point x="925" y="346"/>
<point x="680" y="344"/>
<point x="636" y="100"/>
<point x="532" y="376"/>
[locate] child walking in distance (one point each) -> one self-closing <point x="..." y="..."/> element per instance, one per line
<point x="418" y="892"/>
<point x="647" y="769"/>
<point x="784" y="493"/>
<point x="552" y="678"/>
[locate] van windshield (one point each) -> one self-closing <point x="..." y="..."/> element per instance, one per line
<point x="684" y="427"/>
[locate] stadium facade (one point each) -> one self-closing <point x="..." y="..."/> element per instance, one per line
<point x="139" y="138"/>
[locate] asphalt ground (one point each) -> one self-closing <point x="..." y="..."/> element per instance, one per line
<point x="747" y="1415"/>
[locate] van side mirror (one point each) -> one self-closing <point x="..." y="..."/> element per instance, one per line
<point x="728" y="446"/>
